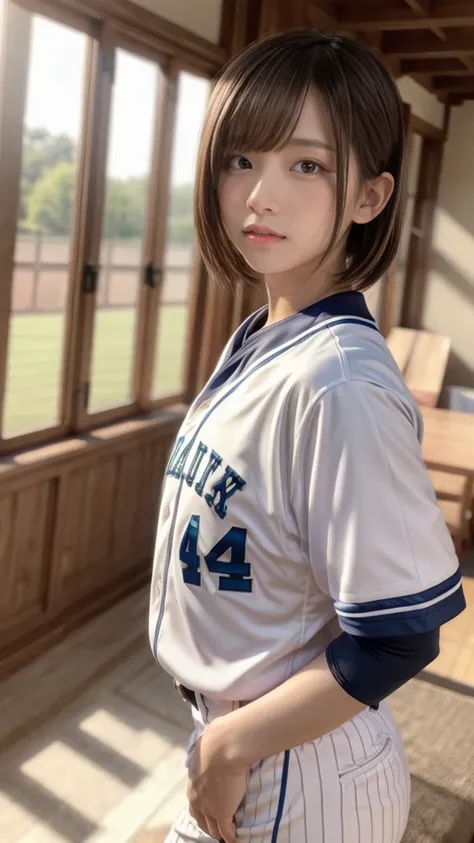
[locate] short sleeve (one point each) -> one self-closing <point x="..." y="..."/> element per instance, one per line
<point x="367" y="515"/>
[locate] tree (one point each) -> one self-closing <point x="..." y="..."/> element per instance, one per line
<point x="51" y="201"/>
<point x="181" y="200"/>
<point x="125" y="208"/>
<point x="42" y="152"/>
<point x="181" y="217"/>
<point x="47" y="196"/>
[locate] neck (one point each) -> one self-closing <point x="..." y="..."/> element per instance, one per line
<point x="290" y="292"/>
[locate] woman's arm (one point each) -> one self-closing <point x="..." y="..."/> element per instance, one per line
<point x="309" y="704"/>
<point x="354" y="672"/>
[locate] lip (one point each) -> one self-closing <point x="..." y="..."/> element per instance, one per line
<point x="262" y="230"/>
<point x="261" y="235"/>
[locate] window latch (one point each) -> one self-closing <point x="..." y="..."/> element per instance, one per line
<point x="90" y="278"/>
<point x="153" y="276"/>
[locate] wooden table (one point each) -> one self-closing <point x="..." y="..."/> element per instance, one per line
<point x="448" y="442"/>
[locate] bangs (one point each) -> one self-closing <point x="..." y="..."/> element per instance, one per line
<point x="252" y="113"/>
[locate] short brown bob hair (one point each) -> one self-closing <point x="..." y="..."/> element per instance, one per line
<point x="255" y="106"/>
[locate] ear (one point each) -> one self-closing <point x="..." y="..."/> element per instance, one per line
<point x="374" y="196"/>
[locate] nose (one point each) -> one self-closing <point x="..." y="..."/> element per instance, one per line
<point x="262" y="200"/>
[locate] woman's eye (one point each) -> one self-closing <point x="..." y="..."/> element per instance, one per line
<point x="307" y="167"/>
<point x="238" y="162"/>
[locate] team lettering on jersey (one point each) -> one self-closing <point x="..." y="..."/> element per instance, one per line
<point x="194" y="463"/>
<point x="202" y="468"/>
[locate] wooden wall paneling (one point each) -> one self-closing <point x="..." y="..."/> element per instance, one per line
<point x="72" y="543"/>
<point x="7" y="562"/>
<point x="99" y="509"/>
<point x="85" y="533"/>
<point x="26" y="518"/>
<point x="32" y="547"/>
<point x="76" y="534"/>
<point x="127" y="544"/>
<point x="155" y="459"/>
<point x="145" y="526"/>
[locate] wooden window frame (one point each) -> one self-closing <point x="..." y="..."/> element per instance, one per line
<point x="14" y="57"/>
<point x="175" y="50"/>
<point x="13" y="91"/>
<point x="414" y="279"/>
<point x="151" y="29"/>
<point x="149" y="298"/>
<point x="421" y="237"/>
<point x="112" y="41"/>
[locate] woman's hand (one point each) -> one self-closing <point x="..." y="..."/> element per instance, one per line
<point x="216" y="786"/>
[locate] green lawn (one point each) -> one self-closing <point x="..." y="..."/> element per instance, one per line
<point x="35" y="361"/>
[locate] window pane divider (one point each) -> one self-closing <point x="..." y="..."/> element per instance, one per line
<point x="157" y="216"/>
<point x="97" y="137"/>
<point x="14" y="63"/>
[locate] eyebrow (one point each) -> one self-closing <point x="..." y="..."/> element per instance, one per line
<point x="310" y="142"/>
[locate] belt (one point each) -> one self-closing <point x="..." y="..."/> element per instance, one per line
<point x="186" y="694"/>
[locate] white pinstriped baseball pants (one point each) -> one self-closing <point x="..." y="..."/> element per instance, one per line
<point x="351" y="786"/>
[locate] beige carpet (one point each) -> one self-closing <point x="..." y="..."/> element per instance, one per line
<point x="438" y="727"/>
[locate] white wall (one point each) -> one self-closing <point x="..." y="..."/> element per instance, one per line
<point x="423" y="103"/>
<point x="449" y="301"/>
<point x="202" y="17"/>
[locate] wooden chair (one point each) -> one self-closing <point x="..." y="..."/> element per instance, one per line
<point x="422" y="358"/>
<point x="454" y="496"/>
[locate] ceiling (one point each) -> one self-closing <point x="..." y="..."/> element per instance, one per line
<point x="429" y="40"/>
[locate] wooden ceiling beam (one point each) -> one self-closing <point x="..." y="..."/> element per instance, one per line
<point x="420" y="7"/>
<point x="459" y="99"/>
<point x="393" y="18"/>
<point x="322" y="13"/>
<point x="425" y="45"/>
<point x="450" y="83"/>
<point x="454" y="67"/>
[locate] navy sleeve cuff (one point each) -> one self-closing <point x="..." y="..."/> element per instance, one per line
<point x="370" y="669"/>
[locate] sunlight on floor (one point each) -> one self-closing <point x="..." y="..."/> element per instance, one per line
<point x="110" y="768"/>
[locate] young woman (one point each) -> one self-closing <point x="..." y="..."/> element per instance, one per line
<point x="302" y="566"/>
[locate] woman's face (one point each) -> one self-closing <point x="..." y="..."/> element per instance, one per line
<point x="291" y="192"/>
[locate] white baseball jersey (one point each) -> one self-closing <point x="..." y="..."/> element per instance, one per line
<point x="296" y="504"/>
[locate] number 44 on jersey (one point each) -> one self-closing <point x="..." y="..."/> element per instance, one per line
<point x="234" y="574"/>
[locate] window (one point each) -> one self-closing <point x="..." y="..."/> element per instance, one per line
<point x="179" y="257"/>
<point x="41" y="276"/>
<point x="102" y="134"/>
<point x="129" y="168"/>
